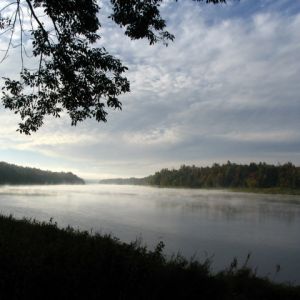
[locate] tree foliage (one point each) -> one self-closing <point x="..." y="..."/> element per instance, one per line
<point x="73" y="73"/>
<point x="12" y="174"/>
<point x="229" y="175"/>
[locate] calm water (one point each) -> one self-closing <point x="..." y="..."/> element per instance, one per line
<point x="194" y="222"/>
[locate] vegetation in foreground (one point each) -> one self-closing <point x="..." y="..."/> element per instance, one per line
<point x="254" y="177"/>
<point x="12" y="174"/>
<point x="39" y="260"/>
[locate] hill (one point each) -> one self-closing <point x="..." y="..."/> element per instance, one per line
<point x="12" y="174"/>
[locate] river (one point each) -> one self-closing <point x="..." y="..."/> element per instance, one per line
<point x="201" y="224"/>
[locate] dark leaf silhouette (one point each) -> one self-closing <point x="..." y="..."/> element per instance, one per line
<point x="73" y="75"/>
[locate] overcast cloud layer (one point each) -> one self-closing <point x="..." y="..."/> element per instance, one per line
<point x="226" y="89"/>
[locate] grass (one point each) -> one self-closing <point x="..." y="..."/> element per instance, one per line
<point x="40" y="261"/>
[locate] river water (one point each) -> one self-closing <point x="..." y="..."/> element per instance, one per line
<point x="196" y="223"/>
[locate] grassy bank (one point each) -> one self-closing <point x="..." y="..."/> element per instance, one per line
<point x="39" y="261"/>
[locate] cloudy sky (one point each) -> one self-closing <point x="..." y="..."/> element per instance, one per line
<point x="228" y="88"/>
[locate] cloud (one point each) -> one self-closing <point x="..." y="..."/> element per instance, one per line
<point x="227" y="88"/>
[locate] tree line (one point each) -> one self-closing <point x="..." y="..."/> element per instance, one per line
<point x="229" y="175"/>
<point x="12" y="174"/>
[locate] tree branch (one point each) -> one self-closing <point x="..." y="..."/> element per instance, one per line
<point x="11" y="36"/>
<point x="38" y="21"/>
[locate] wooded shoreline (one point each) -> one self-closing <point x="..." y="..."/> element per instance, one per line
<point x="11" y="174"/>
<point x="252" y="178"/>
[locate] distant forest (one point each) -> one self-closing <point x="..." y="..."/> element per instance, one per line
<point x="229" y="175"/>
<point x="12" y="174"/>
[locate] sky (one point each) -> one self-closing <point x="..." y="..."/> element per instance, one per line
<point x="227" y="88"/>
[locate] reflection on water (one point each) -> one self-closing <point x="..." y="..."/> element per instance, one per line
<point x="231" y="206"/>
<point x="194" y="222"/>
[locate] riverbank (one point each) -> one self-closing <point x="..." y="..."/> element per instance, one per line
<point x="272" y="191"/>
<point x="252" y="178"/>
<point x="39" y="260"/>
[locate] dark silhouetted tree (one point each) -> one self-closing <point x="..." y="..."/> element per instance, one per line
<point x="73" y="75"/>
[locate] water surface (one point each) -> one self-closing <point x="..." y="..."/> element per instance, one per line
<point x="199" y="223"/>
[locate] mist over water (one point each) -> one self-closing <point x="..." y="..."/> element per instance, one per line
<point x="199" y="223"/>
